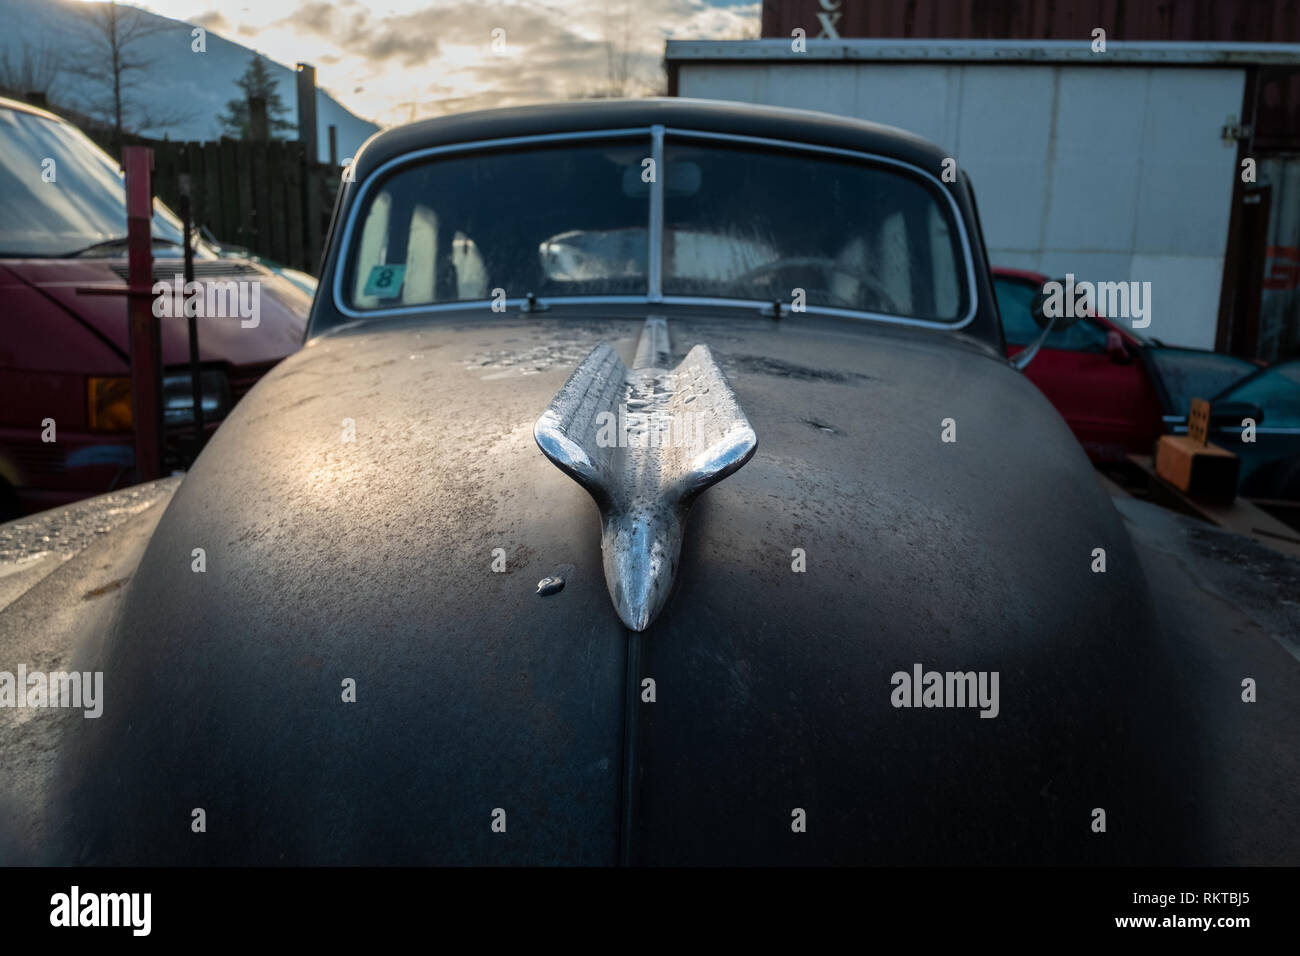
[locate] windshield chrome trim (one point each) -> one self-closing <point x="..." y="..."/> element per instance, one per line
<point x="752" y="306"/>
<point x="345" y="242"/>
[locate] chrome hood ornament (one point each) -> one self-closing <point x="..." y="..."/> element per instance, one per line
<point x="645" y="442"/>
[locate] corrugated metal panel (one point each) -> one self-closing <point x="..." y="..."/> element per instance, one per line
<point x="1172" y="53"/>
<point x="1279" y="312"/>
<point x="1277" y="111"/>
<point x="1257" y="21"/>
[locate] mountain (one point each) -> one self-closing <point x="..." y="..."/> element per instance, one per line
<point x="184" y="89"/>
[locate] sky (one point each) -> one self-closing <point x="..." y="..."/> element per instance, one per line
<point x="392" y="61"/>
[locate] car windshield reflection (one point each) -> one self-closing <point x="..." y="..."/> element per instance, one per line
<point x="85" y="214"/>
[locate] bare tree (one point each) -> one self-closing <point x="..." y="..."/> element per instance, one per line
<point x="627" y="72"/>
<point x="618" y="29"/>
<point x="752" y="30"/>
<point x="112" y="60"/>
<point x="34" y="72"/>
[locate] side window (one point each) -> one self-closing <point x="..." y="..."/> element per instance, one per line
<point x="1276" y="392"/>
<point x="1015" y="299"/>
<point x="1083" y="336"/>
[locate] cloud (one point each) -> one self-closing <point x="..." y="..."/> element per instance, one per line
<point x="430" y="58"/>
<point x="212" y="20"/>
<point x="411" y="39"/>
<point x="316" y="18"/>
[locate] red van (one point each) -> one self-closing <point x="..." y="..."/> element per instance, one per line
<point x="64" y="360"/>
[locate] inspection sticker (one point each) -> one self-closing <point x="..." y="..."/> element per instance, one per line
<point x="385" y="281"/>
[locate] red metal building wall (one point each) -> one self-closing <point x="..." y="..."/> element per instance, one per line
<point x="1246" y="21"/>
<point x="1277" y="110"/>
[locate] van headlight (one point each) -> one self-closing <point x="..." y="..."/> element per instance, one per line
<point x="108" y="402"/>
<point x="178" y="397"/>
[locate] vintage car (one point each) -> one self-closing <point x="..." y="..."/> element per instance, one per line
<point x="653" y="488"/>
<point x="64" y="342"/>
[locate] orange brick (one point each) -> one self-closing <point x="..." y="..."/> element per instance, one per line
<point x="1206" y="471"/>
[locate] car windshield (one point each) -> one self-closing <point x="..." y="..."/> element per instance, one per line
<point x="59" y="192"/>
<point x="739" y="222"/>
<point x="1194" y="373"/>
<point x="1275" y="390"/>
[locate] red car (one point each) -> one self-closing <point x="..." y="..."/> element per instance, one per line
<point x="1118" y="391"/>
<point x="64" y="349"/>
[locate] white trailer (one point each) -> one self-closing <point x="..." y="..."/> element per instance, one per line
<point x="1115" y="166"/>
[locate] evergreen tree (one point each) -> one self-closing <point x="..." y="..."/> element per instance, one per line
<point x="256" y="81"/>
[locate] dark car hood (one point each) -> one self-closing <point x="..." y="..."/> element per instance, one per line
<point x="372" y="560"/>
<point x="283" y="307"/>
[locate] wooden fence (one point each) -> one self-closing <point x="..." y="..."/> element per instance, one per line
<point x="263" y="196"/>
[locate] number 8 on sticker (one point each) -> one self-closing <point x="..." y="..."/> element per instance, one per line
<point x="385" y="281"/>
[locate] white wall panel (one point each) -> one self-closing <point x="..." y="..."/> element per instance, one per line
<point x="1184" y="289"/>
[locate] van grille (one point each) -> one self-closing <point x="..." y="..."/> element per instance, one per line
<point x="165" y="270"/>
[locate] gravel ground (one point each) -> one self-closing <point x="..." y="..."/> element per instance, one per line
<point x="61" y="577"/>
<point x="32" y="547"/>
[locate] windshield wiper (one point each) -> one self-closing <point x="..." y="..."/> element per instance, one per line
<point x="115" y="241"/>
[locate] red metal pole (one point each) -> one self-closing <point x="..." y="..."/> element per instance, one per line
<point x="146" y="348"/>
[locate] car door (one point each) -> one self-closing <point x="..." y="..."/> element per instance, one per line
<point x="1105" y="398"/>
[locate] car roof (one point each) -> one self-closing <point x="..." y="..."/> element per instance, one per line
<point x="715" y="116"/>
